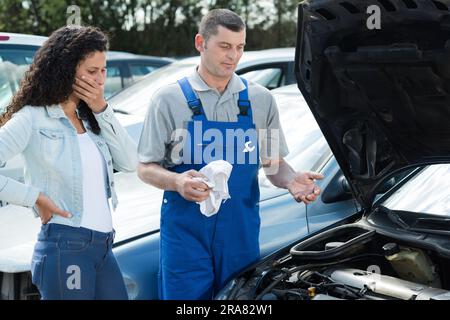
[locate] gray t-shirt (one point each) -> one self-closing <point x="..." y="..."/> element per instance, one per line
<point x="169" y="111"/>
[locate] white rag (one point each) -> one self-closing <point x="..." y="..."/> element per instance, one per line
<point x="217" y="174"/>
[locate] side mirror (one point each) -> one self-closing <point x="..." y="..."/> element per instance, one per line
<point x="337" y="190"/>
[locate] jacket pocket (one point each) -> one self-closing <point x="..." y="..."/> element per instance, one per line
<point x="52" y="144"/>
<point x="52" y="134"/>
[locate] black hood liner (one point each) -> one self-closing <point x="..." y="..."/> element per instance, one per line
<point x="381" y="97"/>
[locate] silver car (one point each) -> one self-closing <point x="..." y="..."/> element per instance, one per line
<point x="270" y="68"/>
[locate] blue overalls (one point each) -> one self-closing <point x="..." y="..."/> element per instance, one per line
<point x="200" y="254"/>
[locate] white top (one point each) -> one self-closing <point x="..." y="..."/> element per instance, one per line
<point x="96" y="211"/>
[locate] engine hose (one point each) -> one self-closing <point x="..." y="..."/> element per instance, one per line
<point x="309" y="266"/>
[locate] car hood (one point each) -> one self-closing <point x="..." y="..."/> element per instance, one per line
<point x="380" y="96"/>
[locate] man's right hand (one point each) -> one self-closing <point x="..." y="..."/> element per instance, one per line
<point x="191" y="189"/>
<point x="47" y="208"/>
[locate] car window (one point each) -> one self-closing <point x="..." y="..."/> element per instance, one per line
<point x="138" y="71"/>
<point x="6" y="88"/>
<point x="13" y="64"/>
<point x="113" y="82"/>
<point x="270" y="78"/>
<point x="427" y="192"/>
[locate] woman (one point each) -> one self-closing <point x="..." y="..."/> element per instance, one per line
<point x="71" y="142"/>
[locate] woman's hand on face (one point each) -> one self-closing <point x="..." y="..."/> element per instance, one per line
<point x="47" y="208"/>
<point x="90" y="92"/>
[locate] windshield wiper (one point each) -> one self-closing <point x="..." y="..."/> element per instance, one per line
<point x="394" y="217"/>
<point x="422" y="225"/>
<point x="432" y="225"/>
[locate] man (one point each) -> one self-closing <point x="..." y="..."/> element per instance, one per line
<point x="200" y="253"/>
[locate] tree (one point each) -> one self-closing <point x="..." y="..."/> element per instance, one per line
<point x="154" y="27"/>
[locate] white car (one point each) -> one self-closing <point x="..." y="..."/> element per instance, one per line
<point x="271" y="68"/>
<point x="16" y="54"/>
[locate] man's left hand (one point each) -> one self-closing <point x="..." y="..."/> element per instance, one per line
<point x="302" y="186"/>
<point x="90" y="92"/>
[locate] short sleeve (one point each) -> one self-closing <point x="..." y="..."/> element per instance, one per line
<point x="272" y="139"/>
<point x="156" y="133"/>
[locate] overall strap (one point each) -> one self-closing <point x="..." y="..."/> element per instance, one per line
<point x="245" y="108"/>
<point x="192" y="100"/>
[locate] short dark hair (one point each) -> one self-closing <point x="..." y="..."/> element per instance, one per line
<point x="220" y="17"/>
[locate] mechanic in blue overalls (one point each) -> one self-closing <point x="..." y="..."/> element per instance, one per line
<point x="200" y="253"/>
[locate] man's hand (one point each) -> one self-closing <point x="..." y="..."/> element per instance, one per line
<point x="90" y="92"/>
<point x="191" y="189"/>
<point x="47" y="208"/>
<point x="302" y="186"/>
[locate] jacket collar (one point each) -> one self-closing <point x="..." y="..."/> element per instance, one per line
<point x="56" y="111"/>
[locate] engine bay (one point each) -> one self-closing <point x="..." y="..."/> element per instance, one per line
<point x="351" y="262"/>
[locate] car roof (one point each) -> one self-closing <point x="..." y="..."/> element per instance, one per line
<point x="27" y="39"/>
<point x="121" y="55"/>
<point x="269" y="55"/>
<point x="22" y="39"/>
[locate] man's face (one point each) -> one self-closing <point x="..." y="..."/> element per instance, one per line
<point x="222" y="52"/>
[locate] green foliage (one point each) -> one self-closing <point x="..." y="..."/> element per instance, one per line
<point x="154" y="27"/>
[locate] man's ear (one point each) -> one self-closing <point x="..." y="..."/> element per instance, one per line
<point x="199" y="43"/>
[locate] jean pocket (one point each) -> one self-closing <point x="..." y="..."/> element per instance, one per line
<point x="72" y="244"/>
<point x="37" y="270"/>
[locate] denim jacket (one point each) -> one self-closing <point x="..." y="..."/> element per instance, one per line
<point x="49" y="144"/>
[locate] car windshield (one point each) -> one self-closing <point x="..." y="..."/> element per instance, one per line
<point x="427" y="192"/>
<point x="136" y="98"/>
<point x="13" y="64"/>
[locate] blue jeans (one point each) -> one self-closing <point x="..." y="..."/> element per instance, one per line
<point x="76" y="263"/>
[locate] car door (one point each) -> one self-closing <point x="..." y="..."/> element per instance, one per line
<point x="334" y="204"/>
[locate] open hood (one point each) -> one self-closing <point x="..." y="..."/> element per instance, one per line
<point x="380" y="96"/>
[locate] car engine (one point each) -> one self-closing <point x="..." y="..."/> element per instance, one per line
<point x="348" y="262"/>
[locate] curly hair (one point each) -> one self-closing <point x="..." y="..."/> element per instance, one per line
<point x="50" y="77"/>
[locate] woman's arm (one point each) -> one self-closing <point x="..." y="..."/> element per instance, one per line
<point x="14" y="137"/>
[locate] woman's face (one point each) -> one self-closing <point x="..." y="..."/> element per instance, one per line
<point x="94" y="67"/>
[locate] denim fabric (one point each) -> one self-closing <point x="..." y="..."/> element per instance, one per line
<point x="76" y="264"/>
<point x="49" y="144"/>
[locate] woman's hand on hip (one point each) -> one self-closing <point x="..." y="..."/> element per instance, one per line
<point x="47" y="208"/>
